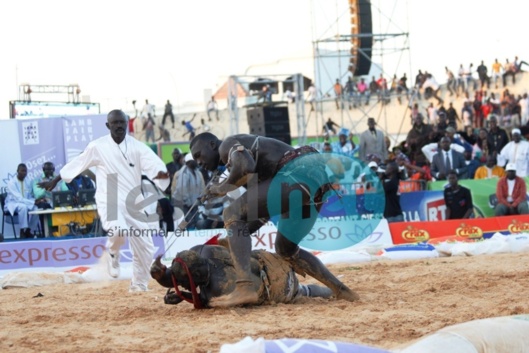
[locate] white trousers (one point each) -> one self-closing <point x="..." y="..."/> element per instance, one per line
<point x="139" y="235"/>
<point x="25" y="220"/>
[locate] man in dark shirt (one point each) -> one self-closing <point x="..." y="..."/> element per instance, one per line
<point x="173" y="167"/>
<point x="392" y="209"/>
<point x="458" y="199"/>
<point x="497" y="137"/>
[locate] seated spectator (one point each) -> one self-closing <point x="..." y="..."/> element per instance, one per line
<point x="458" y="199"/>
<point x="447" y="159"/>
<point x="472" y="164"/>
<point x="343" y="146"/>
<point x="511" y="193"/>
<point x="489" y="170"/>
<point x="20" y="199"/>
<point x="483" y="146"/>
<point x="48" y="174"/>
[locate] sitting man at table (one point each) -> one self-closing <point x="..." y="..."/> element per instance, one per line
<point x="48" y="173"/>
<point x="20" y="199"/>
<point x="511" y="193"/>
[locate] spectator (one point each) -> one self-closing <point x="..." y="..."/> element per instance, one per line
<point x="482" y="74"/>
<point x="458" y="199"/>
<point x="168" y="112"/>
<point x="496" y="72"/>
<point x="148" y="109"/>
<point x="213" y="108"/>
<point x="402" y="87"/>
<point x="48" y="173"/>
<point x="511" y="193"/>
<point x="417" y="138"/>
<point x="390" y="179"/>
<point x="451" y="83"/>
<point x="363" y="90"/>
<point x="516" y="152"/>
<point x="489" y="170"/>
<point x="80" y="182"/>
<point x="148" y="127"/>
<point x="20" y="199"/>
<point x="451" y="116"/>
<point x="446" y="160"/>
<point x="338" y="91"/>
<point x="350" y="90"/>
<point x="497" y="137"/>
<point x="189" y="127"/>
<point x="312" y="96"/>
<point x="188" y="185"/>
<point x="329" y="127"/>
<point x="372" y="141"/>
<point x="173" y="167"/>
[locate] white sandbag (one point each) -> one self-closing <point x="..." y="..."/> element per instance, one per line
<point x="518" y="242"/>
<point x="37" y="279"/>
<point x="507" y="334"/>
<point x="341" y="257"/>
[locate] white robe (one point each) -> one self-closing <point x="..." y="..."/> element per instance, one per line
<point x="21" y="201"/>
<point x="120" y="203"/>
<point x="521" y="158"/>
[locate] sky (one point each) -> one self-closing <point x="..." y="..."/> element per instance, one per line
<point x="119" y="51"/>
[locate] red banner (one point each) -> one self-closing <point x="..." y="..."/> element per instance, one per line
<point x="460" y="229"/>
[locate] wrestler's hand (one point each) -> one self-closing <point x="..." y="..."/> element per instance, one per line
<point x="211" y="192"/>
<point x="157" y="268"/>
<point x="162" y="175"/>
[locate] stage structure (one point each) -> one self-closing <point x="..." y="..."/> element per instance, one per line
<point x="278" y="84"/>
<point x="346" y="46"/>
<point x="68" y="105"/>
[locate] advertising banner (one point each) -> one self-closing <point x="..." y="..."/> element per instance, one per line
<point x="62" y="253"/>
<point x="482" y="193"/>
<point x="423" y="206"/>
<point x="79" y="131"/>
<point x="39" y="143"/>
<point x="460" y="229"/>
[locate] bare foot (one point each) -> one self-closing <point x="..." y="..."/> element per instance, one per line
<point x="243" y="294"/>
<point x="347" y="294"/>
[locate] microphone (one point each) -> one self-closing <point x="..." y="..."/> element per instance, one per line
<point x="130" y="164"/>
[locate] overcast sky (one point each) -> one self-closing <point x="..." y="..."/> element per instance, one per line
<point x="118" y="51"/>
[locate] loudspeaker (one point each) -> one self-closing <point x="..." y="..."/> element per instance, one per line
<point x="270" y="122"/>
<point x="361" y="61"/>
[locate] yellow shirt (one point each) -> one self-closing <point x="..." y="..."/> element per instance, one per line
<point x="483" y="172"/>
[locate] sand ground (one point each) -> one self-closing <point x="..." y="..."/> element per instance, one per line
<point x="400" y="301"/>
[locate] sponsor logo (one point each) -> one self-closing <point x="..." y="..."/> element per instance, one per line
<point x="415" y="235"/>
<point x="518" y="227"/>
<point x="467" y="231"/>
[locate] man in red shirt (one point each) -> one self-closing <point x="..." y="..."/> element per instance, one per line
<point x="511" y="193"/>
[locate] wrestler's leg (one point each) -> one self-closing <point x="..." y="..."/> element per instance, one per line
<point x="306" y="263"/>
<point x="240" y="224"/>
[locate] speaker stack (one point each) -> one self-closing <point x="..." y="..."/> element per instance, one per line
<point x="270" y="122"/>
<point x="361" y="36"/>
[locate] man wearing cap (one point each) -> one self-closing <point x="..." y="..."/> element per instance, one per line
<point x="516" y="152"/>
<point x="511" y="193"/>
<point x="188" y="186"/>
<point x="372" y="141"/>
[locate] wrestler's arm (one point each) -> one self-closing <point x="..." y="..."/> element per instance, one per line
<point x="240" y="163"/>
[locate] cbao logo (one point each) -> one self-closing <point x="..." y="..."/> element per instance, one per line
<point x="518" y="227"/>
<point x="414" y="235"/>
<point x="471" y="232"/>
<point x="314" y="201"/>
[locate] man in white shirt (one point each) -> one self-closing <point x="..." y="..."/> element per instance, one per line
<point x="20" y="199"/>
<point x="120" y="162"/>
<point x="148" y="109"/>
<point x="516" y="152"/>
